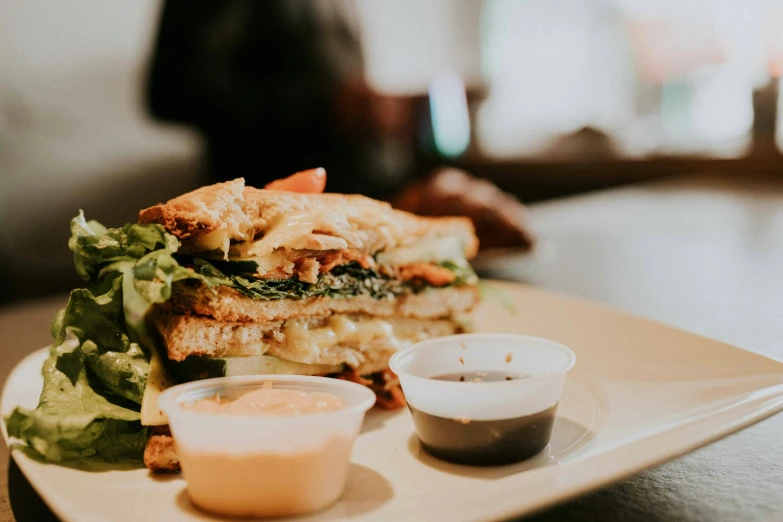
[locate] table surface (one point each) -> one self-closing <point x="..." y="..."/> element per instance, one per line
<point x="701" y="254"/>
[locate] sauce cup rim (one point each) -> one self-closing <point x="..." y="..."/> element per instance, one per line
<point x="397" y="361"/>
<point x="169" y="400"/>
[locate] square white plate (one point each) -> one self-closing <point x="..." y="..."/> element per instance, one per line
<point x="640" y="393"/>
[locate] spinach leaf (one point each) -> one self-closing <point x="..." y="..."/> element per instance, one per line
<point x="343" y="281"/>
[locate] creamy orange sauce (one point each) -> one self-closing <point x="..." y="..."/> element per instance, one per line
<point x="270" y="401"/>
<point x="267" y="484"/>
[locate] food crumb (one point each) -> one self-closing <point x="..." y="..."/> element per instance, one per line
<point x="461" y="361"/>
<point x="509" y="378"/>
<point x="464" y="346"/>
<point x="508" y="357"/>
<point x="463" y="420"/>
<point x="461" y="378"/>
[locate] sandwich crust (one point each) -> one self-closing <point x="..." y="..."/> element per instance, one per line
<point x="202" y="210"/>
<point x="280" y="219"/>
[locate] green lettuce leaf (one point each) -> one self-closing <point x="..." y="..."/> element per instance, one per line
<point x="74" y="419"/>
<point x="95" y="378"/>
<point x="155" y="273"/>
<point x="98" y="322"/>
<point x="146" y="281"/>
<point x="94" y="246"/>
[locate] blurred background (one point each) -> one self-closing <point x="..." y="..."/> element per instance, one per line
<point x="111" y="107"/>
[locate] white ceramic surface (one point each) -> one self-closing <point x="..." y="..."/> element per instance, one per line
<point x="640" y="393"/>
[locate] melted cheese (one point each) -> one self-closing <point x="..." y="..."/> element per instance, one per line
<point x="430" y="250"/>
<point x="297" y="232"/>
<point x="295" y="235"/>
<point x="276" y="261"/>
<point x="215" y="240"/>
<point x="306" y="343"/>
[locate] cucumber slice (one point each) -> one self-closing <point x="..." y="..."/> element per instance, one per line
<point x="233" y="266"/>
<point x="194" y="368"/>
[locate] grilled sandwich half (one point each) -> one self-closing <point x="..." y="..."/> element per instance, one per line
<point x="316" y="284"/>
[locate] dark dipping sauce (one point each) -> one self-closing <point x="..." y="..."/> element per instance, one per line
<point x="484" y="442"/>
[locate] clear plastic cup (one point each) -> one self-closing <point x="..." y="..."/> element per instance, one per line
<point x="484" y="423"/>
<point x="256" y="465"/>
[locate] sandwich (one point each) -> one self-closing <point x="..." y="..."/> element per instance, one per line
<point x="311" y="283"/>
<point x="234" y="280"/>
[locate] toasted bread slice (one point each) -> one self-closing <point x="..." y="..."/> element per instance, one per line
<point x="272" y="219"/>
<point x="362" y="342"/>
<point x="219" y="206"/>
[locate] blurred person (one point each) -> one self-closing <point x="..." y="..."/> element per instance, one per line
<point x="277" y="86"/>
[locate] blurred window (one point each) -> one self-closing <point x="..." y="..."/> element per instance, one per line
<point x="616" y="78"/>
<point x="656" y="77"/>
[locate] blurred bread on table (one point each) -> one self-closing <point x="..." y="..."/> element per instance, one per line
<point x="500" y="219"/>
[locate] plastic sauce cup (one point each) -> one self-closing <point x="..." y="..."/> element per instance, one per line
<point x="256" y="465"/>
<point x="483" y="423"/>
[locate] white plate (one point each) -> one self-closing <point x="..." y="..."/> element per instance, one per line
<point x="640" y="393"/>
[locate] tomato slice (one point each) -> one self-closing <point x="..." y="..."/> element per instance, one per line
<point x="312" y="181"/>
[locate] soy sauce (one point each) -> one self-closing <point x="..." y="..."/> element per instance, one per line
<point x="484" y="443"/>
